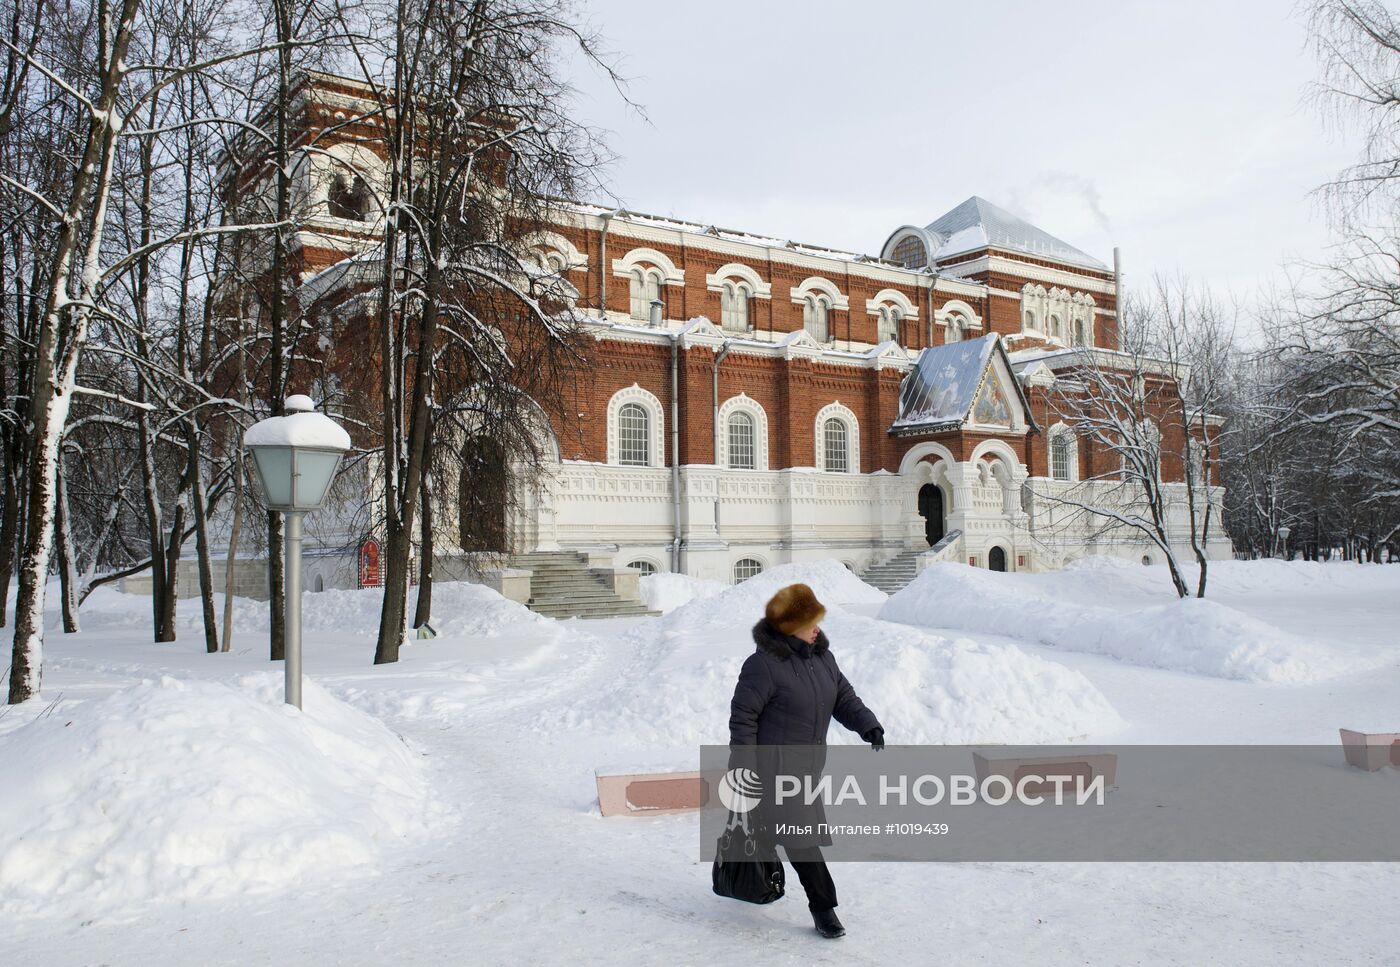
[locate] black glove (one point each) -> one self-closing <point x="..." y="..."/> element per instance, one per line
<point x="876" y="738"/>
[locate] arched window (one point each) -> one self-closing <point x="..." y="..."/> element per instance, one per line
<point x="1030" y="319"/>
<point x="745" y="568"/>
<point x="1079" y="333"/>
<point x="911" y="252"/>
<point x="815" y="309"/>
<point x="633" y="436"/>
<point x="646" y="567"/>
<point x="742" y="454"/>
<point x="887" y="327"/>
<point x="836" y="446"/>
<point x="349" y="198"/>
<point x="645" y="288"/>
<point x="734" y="306"/>
<point x="953" y="332"/>
<point x="1060" y="456"/>
<point x="1055" y="331"/>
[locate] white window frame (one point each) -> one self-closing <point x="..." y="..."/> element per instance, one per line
<point x="1066" y="432"/>
<point x="891" y="309"/>
<point x="735" y="307"/>
<point x="643" y="286"/>
<point x="816" y="318"/>
<point x="751" y="407"/>
<point x="656" y="426"/>
<point x="734" y="570"/>
<point x="837" y="411"/>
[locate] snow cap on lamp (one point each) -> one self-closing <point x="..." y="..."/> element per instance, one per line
<point x="296" y="456"/>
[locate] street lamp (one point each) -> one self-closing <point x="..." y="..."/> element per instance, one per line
<point x="296" y="457"/>
<point x="1283" y="532"/>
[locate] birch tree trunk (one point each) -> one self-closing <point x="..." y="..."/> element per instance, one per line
<point x="62" y="336"/>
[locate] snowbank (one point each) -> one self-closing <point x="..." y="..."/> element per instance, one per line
<point x="674" y="694"/>
<point x="666" y="591"/>
<point x="183" y="789"/>
<point x="742" y="604"/>
<point x="459" y="608"/>
<point x="1201" y="636"/>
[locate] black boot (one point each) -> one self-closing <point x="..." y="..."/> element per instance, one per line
<point x="828" y="924"/>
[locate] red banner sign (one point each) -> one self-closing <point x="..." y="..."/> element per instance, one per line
<point x="369" y="564"/>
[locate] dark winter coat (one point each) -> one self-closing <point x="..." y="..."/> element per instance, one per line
<point x="788" y="693"/>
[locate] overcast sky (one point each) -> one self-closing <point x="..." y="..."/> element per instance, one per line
<point x="1178" y="130"/>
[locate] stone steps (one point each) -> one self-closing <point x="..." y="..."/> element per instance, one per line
<point x="561" y="586"/>
<point x="894" y="574"/>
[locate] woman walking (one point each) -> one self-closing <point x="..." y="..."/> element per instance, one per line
<point x="789" y="690"/>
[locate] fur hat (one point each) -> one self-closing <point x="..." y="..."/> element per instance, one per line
<point x="794" y="608"/>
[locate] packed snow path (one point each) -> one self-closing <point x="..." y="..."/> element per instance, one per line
<point x="524" y="870"/>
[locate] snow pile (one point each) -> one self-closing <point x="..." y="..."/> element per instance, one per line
<point x="460" y="608"/>
<point x="183" y="789"/>
<point x="666" y="591"/>
<point x="1194" y="635"/>
<point x="742" y="604"/>
<point x="675" y="692"/>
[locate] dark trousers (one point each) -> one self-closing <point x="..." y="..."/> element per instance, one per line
<point x="816" y="879"/>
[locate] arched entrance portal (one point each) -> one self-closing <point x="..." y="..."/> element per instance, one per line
<point x="931" y="510"/>
<point x="482" y="494"/>
<point x="996" y="560"/>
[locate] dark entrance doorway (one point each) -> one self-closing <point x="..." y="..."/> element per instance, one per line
<point x="996" y="560"/>
<point x="931" y="510"/>
<point x="482" y="497"/>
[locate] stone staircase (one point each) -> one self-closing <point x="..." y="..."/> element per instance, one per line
<point x="893" y="574"/>
<point x="562" y="586"/>
<point x="897" y="572"/>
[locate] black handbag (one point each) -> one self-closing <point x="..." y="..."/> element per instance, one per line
<point x="744" y="868"/>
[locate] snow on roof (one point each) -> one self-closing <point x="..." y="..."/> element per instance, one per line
<point x="978" y="224"/>
<point x="732" y="235"/>
<point x="941" y="386"/>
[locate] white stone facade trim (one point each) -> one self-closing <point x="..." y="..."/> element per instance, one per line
<point x="840" y="411"/>
<point x="656" y="424"/>
<point x="642" y="258"/>
<point x="743" y="403"/>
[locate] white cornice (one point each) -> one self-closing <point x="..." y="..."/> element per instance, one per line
<point x="701" y="332"/>
<point x="1026" y="270"/>
<point x="741" y="251"/>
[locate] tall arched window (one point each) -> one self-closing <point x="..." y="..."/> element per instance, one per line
<point x="1029" y="319"/>
<point x="815" y="309"/>
<point x="633" y="436"/>
<point x="1079" y="332"/>
<point x="742" y="452"/>
<point x="645" y="287"/>
<point x="954" y="330"/>
<point x="1055" y="331"/>
<point x="1060" y="456"/>
<point x="836" y="446"/>
<point x="887" y="328"/>
<point x="734" y="306"/>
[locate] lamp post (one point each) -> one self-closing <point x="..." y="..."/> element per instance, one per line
<point x="296" y="457"/>
<point x="1283" y="532"/>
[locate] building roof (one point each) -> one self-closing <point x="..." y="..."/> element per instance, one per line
<point x="978" y="224"/>
<point x="941" y="389"/>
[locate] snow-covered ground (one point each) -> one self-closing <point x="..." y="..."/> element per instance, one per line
<point x="158" y="806"/>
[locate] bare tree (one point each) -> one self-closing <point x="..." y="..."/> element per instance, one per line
<point x="476" y="139"/>
<point x="1147" y="418"/>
